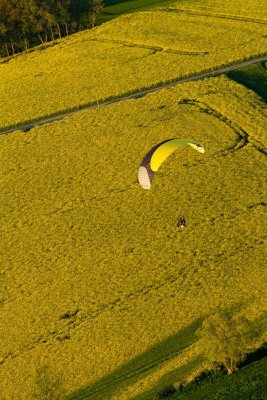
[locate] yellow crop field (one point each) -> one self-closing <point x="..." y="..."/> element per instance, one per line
<point x="97" y="281"/>
<point x="128" y="53"/>
<point x="251" y="9"/>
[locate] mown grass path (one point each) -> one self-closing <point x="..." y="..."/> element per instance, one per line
<point x="26" y="127"/>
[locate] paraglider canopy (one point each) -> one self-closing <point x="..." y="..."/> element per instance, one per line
<point x="158" y="154"/>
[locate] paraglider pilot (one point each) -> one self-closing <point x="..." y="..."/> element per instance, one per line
<point x="181" y="222"/>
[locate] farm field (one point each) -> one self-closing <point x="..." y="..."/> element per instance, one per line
<point x="145" y="52"/>
<point x="254" y="9"/>
<point x="97" y="281"/>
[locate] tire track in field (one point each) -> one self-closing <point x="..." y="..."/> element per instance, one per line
<point x="140" y="372"/>
<point x="243" y="140"/>
<point x="235" y="213"/>
<point x="214" y="15"/>
<point x="154" y="49"/>
<point x="30" y="124"/>
<point x="77" y="320"/>
<point x="72" y="323"/>
<point x="243" y="137"/>
<point x="74" y="320"/>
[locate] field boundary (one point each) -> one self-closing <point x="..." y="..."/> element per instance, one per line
<point x="137" y="93"/>
<point x="218" y="15"/>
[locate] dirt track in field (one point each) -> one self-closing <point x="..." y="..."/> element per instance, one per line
<point x="27" y="126"/>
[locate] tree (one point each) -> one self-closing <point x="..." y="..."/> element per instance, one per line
<point x="96" y="7"/>
<point x="19" y="17"/>
<point x="26" y="23"/>
<point x="225" y="339"/>
<point x="84" y="12"/>
<point x="48" y="386"/>
<point x="80" y="13"/>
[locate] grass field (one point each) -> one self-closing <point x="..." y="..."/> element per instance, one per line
<point x="130" y="52"/>
<point x="97" y="282"/>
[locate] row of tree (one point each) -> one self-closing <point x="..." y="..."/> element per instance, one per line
<point x="27" y="23"/>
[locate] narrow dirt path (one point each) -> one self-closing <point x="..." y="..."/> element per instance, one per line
<point x="27" y="126"/>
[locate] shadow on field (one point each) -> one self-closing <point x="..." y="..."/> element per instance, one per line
<point x="141" y="365"/>
<point x="254" y="77"/>
<point x="260" y="327"/>
<point x="164" y="386"/>
<point x="171" y="386"/>
<point x="113" y="2"/>
<point x="115" y="8"/>
<point x="256" y="355"/>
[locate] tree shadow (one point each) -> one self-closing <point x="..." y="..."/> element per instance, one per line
<point x="113" y="2"/>
<point x="255" y="355"/>
<point x="256" y="82"/>
<point x="140" y="366"/>
<point x="259" y="326"/>
<point x="165" y="385"/>
<point x="114" y="8"/>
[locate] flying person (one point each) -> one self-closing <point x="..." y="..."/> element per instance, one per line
<point x="181" y="222"/>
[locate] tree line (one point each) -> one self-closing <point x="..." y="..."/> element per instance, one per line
<point x="27" y="23"/>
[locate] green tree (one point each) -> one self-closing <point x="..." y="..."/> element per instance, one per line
<point x="84" y="12"/>
<point x="80" y="13"/>
<point x="26" y="23"/>
<point x="48" y="386"/>
<point x="4" y="47"/>
<point x="19" y="17"/>
<point x="8" y="30"/>
<point x="225" y="339"/>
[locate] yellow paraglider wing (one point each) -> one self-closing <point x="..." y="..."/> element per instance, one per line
<point x="158" y="154"/>
<point x="163" y="152"/>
